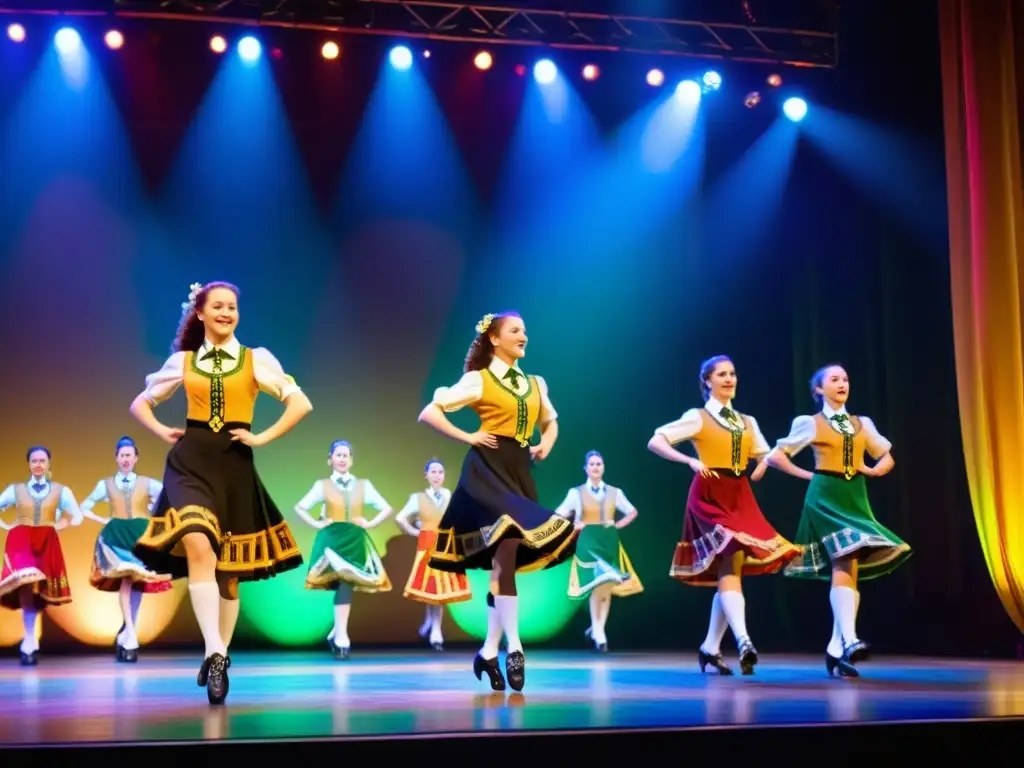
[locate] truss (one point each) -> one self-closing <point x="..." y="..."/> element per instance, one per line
<point x="485" y="23"/>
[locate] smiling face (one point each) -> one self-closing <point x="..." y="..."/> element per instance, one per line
<point x="38" y="464"/>
<point x="219" y="314"/>
<point x="510" y="340"/>
<point x="341" y="459"/>
<point x="435" y="475"/>
<point x="127" y="458"/>
<point x="722" y="382"/>
<point x="835" y="385"/>
<point x="595" y="469"/>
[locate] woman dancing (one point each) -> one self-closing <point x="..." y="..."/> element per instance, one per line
<point x="34" y="575"/>
<point x="214" y="522"/>
<point x="725" y="534"/>
<point x="600" y="568"/>
<point x="843" y="542"/>
<point x="344" y="557"/>
<point x="420" y="517"/>
<point x="493" y="521"/>
<point x="114" y="567"/>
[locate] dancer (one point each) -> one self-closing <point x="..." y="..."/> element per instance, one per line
<point x="426" y="585"/>
<point x="34" y="575"/>
<point x="214" y="522"/>
<point x="600" y="568"/>
<point x="114" y="567"/>
<point x="725" y="534"/>
<point x="493" y="521"/>
<point x="843" y="542"/>
<point x="344" y="557"/>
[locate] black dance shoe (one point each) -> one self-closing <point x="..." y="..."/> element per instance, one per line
<point x="30" y="659"/>
<point x="748" y="656"/>
<point x="439" y="647"/>
<point x="833" y="663"/>
<point x="490" y="666"/>
<point x="217" y="678"/>
<point x="515" y="670"/>
<point x="340" y="652"/>
<point x="855" y="651"/>
<point x="716" y="661"/>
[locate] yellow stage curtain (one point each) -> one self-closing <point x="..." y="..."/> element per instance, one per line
<point x="982" y="46"/>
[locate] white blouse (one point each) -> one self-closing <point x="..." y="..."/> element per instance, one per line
<point x="470" y="389"/>
<point x="804" y="430"/>
<point x="691" y="423"/>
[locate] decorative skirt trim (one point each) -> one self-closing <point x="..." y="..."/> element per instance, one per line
<point x="693" y="559"/>
<point x="456" y="548"/>
<point x="245" y="556"/>
<point x="33" y="559"/>
<point x="113" y="561"/>
<point x="601" y="559"/>
<point x="429" y="585"/>
<point x="878" y="555"/>
<point x="343" y="553"/>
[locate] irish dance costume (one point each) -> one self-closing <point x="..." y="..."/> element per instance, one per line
<point x="344" y="558"/>
<point x="723" y="518"/>
<point x="211" y="485"/>
<point x="34" y="575"/>
<point x="600" y="568"/>
<point x="496" y="498"/>
<point x="426" y="585"/>
<point x="837" y="520"/>
<point x="115" y="568"/>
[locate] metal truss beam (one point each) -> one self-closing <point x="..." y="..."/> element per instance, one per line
<point x="484" y="23"/>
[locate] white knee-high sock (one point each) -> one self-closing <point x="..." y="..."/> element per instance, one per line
<point x="428" y="621"/>
<point x="435" y="624"/>
<point x="844" y="610"/>
<point x="508" y="613"/>
<point x="835" y="645"/>
<point x="489" y="650"/>
<point x="596" y="630"/>
<point x="228" y="619"/>
<point x="129" y="638"/>
<point x="735" y="607"/>
<point x="712" y="644"/>
<point x="29" y="644"/>
<point x="205" y="596"/>
<point x="341" y="614"/>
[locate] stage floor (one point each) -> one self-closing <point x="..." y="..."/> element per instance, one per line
<point x="309" y="695"/>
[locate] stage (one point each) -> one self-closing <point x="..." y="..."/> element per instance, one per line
<point x="407" y="703"/>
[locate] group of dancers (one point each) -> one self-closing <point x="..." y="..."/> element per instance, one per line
<point x="212" y="521"/>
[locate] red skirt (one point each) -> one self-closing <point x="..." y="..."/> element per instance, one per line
<point x="430" y="586"/>
<point x="33" y="557"/>
<point x="722" y="518"/>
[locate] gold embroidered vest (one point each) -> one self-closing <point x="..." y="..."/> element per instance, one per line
<point x="430" y="512"/>
<point x="340" y="507"/>
<point x="506" y="414"/>
<point x="595" y="511"/>
<point x="721" y="448"/>
<point x="126" y="505"/>
<point x="221" y="398"/>
<point x="28" y="511"/>
<point x="834" y="451"/>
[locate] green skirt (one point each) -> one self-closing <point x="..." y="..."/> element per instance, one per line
<point x="837" y="521"/>
<point x="601" y="559"/>
<point x="113" y="560"/>
<point x="343" y="553"/>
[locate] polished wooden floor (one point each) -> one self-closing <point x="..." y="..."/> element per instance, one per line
<point x="309" y="695"/>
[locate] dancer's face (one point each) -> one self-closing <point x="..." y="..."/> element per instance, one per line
<point x="435" y="475"/>
<point x="341" y="459"/>
<point x="595" y="469"/>
<point x="39" y="463"/>
<point x="835" y="385"/>
<point x="127" y="458"/>
<point x="722" y="382"/>
<point x="220" y="314"/>
<point x="510" y="339"/>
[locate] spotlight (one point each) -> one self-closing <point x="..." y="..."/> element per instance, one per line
<point x="520" y="70"/>
<point x="483" y="61"/>
<point x="16" y="33"/>
<point x="249" y="48"/>
<point x="426" y="54"/>
<point x="330" y="50"/>
<point x="655" y="78"/>
<point x="400" y="57"/>
<point x="795" y="109"/>
<point x="752" y="100"/>
<point x="591" y="72"/>
<point x="545" y="71"/>
<point x="712" y="80"/>
<point x="774" y="81"/>
<point x="114" y="40"/>
<point x="67" y="40"/>
<point x="218" y="44"/>
<point x="688" y="91"/>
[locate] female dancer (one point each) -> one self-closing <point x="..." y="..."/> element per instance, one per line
<point x="426" y="585"/>
<point x="114" y="567"/>
<point x="344" y="557"/>
<point x="493" y="521"/>
<point x="214" y="522"/>
<point x="725" y="534"/>
<point x="843" y="542"/>
<point x="600" y="567"/>
<point x="34" y="575"/>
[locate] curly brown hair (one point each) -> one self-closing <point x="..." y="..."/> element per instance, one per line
<point x="191" y="332"/>
<point x="481" y="351"/>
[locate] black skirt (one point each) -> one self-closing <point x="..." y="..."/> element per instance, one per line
<point x="496" y="499"/>
<point x="211" y="487"/>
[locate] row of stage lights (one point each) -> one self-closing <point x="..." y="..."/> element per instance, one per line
<point x="401" y="57"/>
